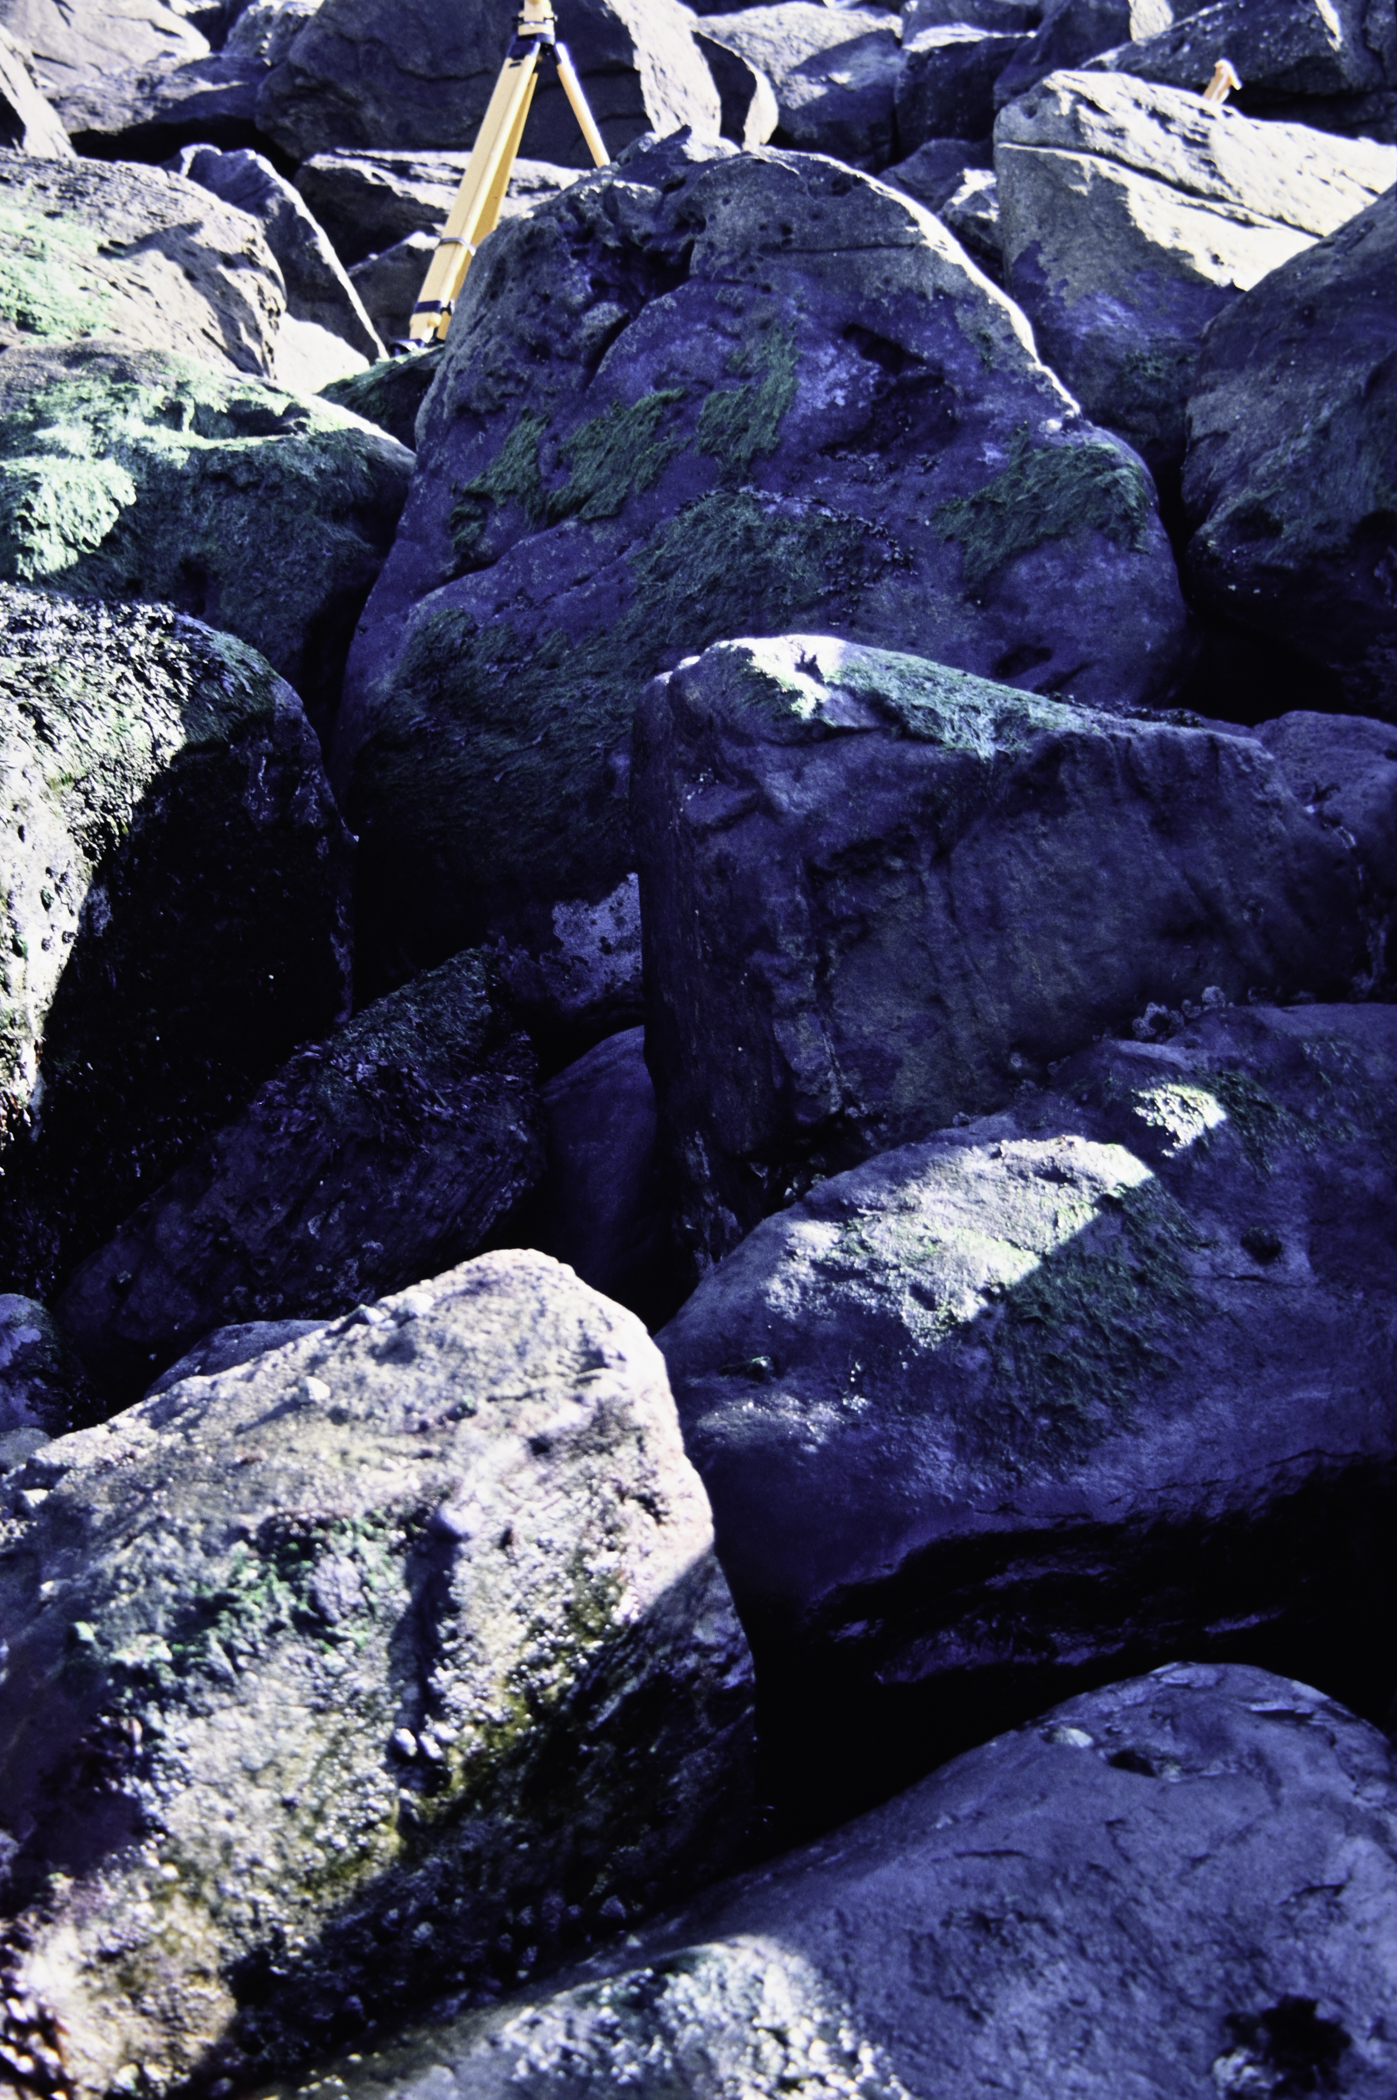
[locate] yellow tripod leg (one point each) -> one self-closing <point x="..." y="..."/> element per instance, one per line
<point x="586" y="123"/>
<point x="495" y="145"/>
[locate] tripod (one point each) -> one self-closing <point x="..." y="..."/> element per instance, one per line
<point x="477" y="208"/>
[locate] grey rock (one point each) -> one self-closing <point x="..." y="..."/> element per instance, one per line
<point x="264" y="31"/>
<point x="385" y="1664"/>
<point x="407" y="73"/>
<point x="128" y="474"/>
<point x="1342" y="766"/>
<point x="227" y="1347"/>
<point x="945" y="83"/>
<point x="369" y="201"/>
<point x="972" y="214"/>
<point x="1288" y="479"/>
<point x="27" y="122"/>
<point x="772" y="385"/>
<point x="749" y="112"/>
<point x="150" y="112"/>
<point x="1100" y="1380"/>
<point x="175" y="882"/>
<point x="1155" y="1890"/>
<point x="73" y="42"/>
<point x="390" y="393"/>
<point x="937" y="169"/>
<point x="318" y="290"/>
<point x="42" y="1385"/>
<point x="1280" y="49"/>
<point x="1132" y="214"/>
<point x="390" y="1151"/>
<point x="834" y="73"/>
<point x="891" y="891"/>
<point x="138" y="254"/>
<point x="1006" y="17"/>
<point x="1074" y="34"/>
<point x="390" y="283"/>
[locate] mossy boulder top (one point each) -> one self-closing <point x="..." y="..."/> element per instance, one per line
<point x="138" y="474"/>
<point x="95" y="248"/>
<point x="695" y="395"/>
<point x="385" y="1664"/>
<point x="1106" y="1378"/>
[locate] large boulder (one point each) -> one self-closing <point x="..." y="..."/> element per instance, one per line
<point x="1181" y="1885"/>
<point x="1073" y="33"/>
<point x="405" y="73"/>
<point x="175" y="877"/>
<point x="833" y="71"/>
<point x="136" y="474"/>
<point x="771" y="385"/>
<point x="1133" y="214"/>
<point x="393" y="1661"/>
<point x="1289" y="482"/>
<point x="388" y="1152"/>
<point x="370" y="201"/>
<point x="27" y="122"/>
<point x="945" y="83"/>
<point x="1099" y="1380"/>
<point x="43" y="1388"/>
<point x="138" y="254"/>
<point x="72" y="42"/>
<point x="888" y="892"/>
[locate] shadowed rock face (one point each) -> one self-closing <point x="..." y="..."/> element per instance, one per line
<point x="889" y="892"/>
<point x="1184" y="1884"/>
<point x="770" y="386"/>
<point x="175" y="883"/>
<point x="390" y="1662"/>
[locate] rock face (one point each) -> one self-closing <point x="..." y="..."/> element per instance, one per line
<point x="137" y="254"/>
<point x="27" y="123"/>
<point x="42" y="1384"/>
<point x="1132" y="214"/>
<point x="772" y="385"/>
<point x="1309" y="56"/>
<point x="1102" y="1379"/>
<point x="398" y="73"/>
<point x="130" y="474"/>
<point x="370" y="201"/>
<point x="175" y="883"/>
<point x="1289" y="477"/>
<point x="945" y="83"/>
<point x="72" y="42"/>
<point x="1183" y="1884"/>
<point x="891" y="891"/>
<point x="834" y="73"/>
<point x="386" y="1153"/>
<point x="394" y="1660"/>
<point x="391" y="393"/>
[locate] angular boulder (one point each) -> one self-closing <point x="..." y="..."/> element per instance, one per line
<point x="1133" y="214"/>
<point x="772" y="385"/>
<point x="72" y="42"/>
<point x="1180" y="1885"/>
<point x="370" y="201"/>
<point x="138" y="254"/>
<point x="401" y="73"/>
<point x="134" y="474"/>
<point x="889" y="891"/>
<point x="388" y="1152"/>
<point x="389" y="1663"/>
<point x="27" y="122"/>
<point x="391" y="392"/>
<point x="175" y="879"/>
<point x="1288" y="482"/>
<point x="42" y="1385"/>
<point x="1074" y="32"/>
<point x="834" y="74"/>
<point x="1297" y="56"/>
<point x="945" y="83"/>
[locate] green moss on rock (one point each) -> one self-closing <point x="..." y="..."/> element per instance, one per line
<point x="1047" y="492"/>
<point x="44" y="288"/>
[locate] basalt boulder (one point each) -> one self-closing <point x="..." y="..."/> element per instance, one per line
<point x="1075" y="32"/>
<point x="176" y="879"/>
<point x="367" y="201"/>
<point x="890" y="892"/>
<point x="834" y="74"/>
<point x="73" y="42"/>
<point x="27" y="122"/>
<point x="391" y="1662"/>
<point x="772" y="385"/>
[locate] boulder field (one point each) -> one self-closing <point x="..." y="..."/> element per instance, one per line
<point x="698" y="1055"/>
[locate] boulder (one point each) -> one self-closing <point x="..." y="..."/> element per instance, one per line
<point x="1006" y="17"/>
<point x="390" y="283"/>
<point x="390" y="393"/>
<point x="404" y="73"/>
<point x="1073" y="34"/>
<point x="972" y="214"/>
<point x="1099" y="1380"/>
<point x="175" y="883"/>
<point x="937" y="169"/>
<point x="132" y="474"/>
<point x="1133" y="214"/>
<point x="227" y="1347"/>
<point x="834" y="73"/>
<point x="891" y="891"/>
<point x="945" y="83"/>
<point x="388" y="1152"/>
<point x="370" y="201"/>
<point x="1285" y="51"/>
<point x="27" y="122"/>
<point x="749" y="112"/>
<point x="771" y="385"/>
<point x="153" y="112"/>
<point x="1288" y="482"/>
<point x="391" y="1662"/>
<point x="73" y="42"/>
<point x="1183" y="1884"/>
<point x="138" y="254"/>
<point x="43" y="1387"/>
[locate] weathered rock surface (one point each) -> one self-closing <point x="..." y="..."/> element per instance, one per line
<point x="1289" y="480"/>
<point x="390" y="283"/>
<point x="1102" y="1379"/>
<point x="74" y="41"/>
<point x="388" y="1152"/>
<point x="771" y="385"/>
<point x="1133" y="214"/>
<point x="129" y="474"/>
<point x="135" y="253"/>
<point x="390" y="393"/>
<point x="227" y="1347"/>
<point x="42" y="1384"/>
<point x="834" y="73"/>
<point x="27" y="122"/>
<point x="389" y="1662"/>
<point x="175" y="883"/>
<point x="400" y="73"/>
<point x="1073" y="34"/>
<point x="945" y="83"/>
<point x="1179" y="1885"/>
<point x="891" y="891"/>
<point x="370" y="201"/>
<point x="748" y="109"/>
<point x="1285" y="51"/>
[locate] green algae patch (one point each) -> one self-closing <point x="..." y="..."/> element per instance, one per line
<point x="44" y="288"/>
<point x="1046" y="492"/>
<point x="618" y="454"/>
<point x="739" y="425"/>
